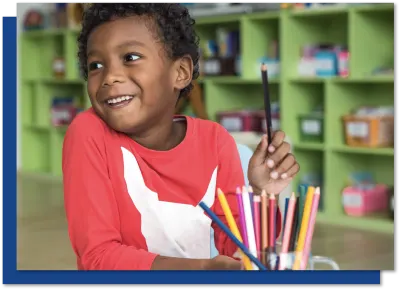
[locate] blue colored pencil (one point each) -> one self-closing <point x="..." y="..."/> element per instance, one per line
<point x="232" y="236"/>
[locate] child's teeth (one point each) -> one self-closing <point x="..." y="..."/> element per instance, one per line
<point x="119" y="99"/>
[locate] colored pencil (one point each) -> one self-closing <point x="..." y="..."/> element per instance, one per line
<point x="226" y="230"/>
<point x="303" y="228"/>
<point x="251" y="195"/>
<point x="272" y="222"/>
<point x="310" y="230"/>
<point x="287" y="231"/>
<point x="232" y="225"/>
<point x="295" y="225"/>
<point x="264" y="223"/>
<point x="285" y="214"/>
<point x="249" y="223"/>
<point x="303" y="193"/>
<point x="256" y="205"/>
<point x="242" y="217"/>
<point x="267" y="101"/>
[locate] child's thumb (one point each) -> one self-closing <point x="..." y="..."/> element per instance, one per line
<point x="260" y="153"/>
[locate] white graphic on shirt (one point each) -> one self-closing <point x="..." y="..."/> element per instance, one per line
<point x="170" y="229"/>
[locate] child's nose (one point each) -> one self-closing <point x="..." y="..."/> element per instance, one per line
<point x="114" y="75"/>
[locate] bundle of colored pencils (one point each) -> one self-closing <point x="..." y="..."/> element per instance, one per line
<point x="257" y="221"/>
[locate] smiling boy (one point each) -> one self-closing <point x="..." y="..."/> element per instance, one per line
<point x="134" y="172"/>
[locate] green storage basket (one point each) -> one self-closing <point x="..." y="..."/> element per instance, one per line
<point x="311" y="127"/>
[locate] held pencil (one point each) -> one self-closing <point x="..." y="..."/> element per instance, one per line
<point x="242" y="217"/>
<point x="295" y="225"/>
<point x="310" y="231"/>
<point x="264" y="223"/>
<point x="303" y="228"/>
<point x="287" y="231"/>
<point x="232" y="225"/>
<point x="249" y="224"/>
<point x="256" y="205"/>
<point x="231" y="236"/>
<point x="267" y="101"/>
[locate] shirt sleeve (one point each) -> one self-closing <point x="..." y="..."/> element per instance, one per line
<point x="230" y="176"/>
<point x="91" y="209"/>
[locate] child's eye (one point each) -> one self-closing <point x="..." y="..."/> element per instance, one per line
<point x="131" y="57"/>
<point x="94" y="66"/>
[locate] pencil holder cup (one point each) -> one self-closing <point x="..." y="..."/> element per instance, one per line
<point x="278" y="261"/>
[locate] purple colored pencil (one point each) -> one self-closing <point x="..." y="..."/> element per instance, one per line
<point x="242" y="217"/>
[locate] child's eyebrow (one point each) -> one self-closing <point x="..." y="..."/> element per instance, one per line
<point x="128" y="43"/>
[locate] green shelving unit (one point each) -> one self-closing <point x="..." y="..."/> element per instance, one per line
<point x="367" y="30"/>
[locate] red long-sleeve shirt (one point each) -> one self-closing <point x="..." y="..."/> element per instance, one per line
<point x="126" y="204"/>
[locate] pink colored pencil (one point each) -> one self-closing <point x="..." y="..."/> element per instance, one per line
<point x="287" y="231"/>
<point x="256" y="205"/>
<point x="310" y="229"/>
<point x="242" y="217"/>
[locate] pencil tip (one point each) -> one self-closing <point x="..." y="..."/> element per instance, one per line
<point x="317" y="191"/>
<point x="263" y="67"/>
<point x="271" y="196"/>
<point x="293" y="195"/>
<point x="238" y="190"/>
<point x="250" y="189"/>
<point x="263" y="193"/>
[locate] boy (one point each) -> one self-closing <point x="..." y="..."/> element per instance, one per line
<point x="133" y="172"/>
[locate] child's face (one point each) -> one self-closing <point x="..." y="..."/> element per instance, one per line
<point x="132" y="84"/>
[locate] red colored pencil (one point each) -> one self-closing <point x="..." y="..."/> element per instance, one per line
<point x="272" y="222"/>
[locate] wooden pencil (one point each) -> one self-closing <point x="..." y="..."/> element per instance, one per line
<point x="267" y="101"/>
<point x="303" y="228"/>
<point x="293" y="236"/>
<point x="264" y="224"/>
<point x="287" y="231"/>
<point x="232" y="225"/>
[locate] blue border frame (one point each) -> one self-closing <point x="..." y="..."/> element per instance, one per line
<point x="12" y="276"/>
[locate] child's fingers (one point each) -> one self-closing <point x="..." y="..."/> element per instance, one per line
<point x="283" y="167"/>
<point x="291" y="171"/>
<point x="276" y="158"/>
<point x="277" y="141"/>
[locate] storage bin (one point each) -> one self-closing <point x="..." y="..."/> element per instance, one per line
<point x="311" y="127"/>
<point x="369" y="131"/>
<point x="359" y="201"/>
<point x="240" y="121"/>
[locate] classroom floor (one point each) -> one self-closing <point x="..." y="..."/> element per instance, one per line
<point x="43" y="244"/>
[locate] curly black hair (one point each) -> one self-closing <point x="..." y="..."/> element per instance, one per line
<point x="174" y="24"/>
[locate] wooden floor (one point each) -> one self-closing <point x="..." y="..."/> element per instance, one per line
<point x="43" y="244"/>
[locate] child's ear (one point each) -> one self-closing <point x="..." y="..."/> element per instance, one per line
<point x="184" y="68"/>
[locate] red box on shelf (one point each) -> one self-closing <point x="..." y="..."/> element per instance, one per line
<point x="240" y="121"/>
<point x="359" y="201"/>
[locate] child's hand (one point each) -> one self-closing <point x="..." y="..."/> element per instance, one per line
<point x="224" y="263"/>
<point x="272" y="167"/>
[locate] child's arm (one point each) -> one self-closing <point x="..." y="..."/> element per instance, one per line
<point x="91" y="208"/>
<point x="230" y="176"/>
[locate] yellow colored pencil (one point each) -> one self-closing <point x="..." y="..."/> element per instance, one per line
<point x="233" y="226"/>
<point x="303" y="227"/>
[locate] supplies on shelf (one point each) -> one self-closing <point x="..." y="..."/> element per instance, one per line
<point x="271" y="59"/>
<point x="370" y="127"/>
<point x="240" y="120"/>
<point x="311" y="126"/>
<point x="324" y="60"/>
<point x="250" y="120"/>
<point x="63" y="111"/>
<point x="364" y="196"/>
<point x="221" y="56"/>
<point x="391" y="202"/>
<point x="59" y="67"/>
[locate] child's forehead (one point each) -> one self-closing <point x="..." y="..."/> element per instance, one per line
<point x="132" y="30"/>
